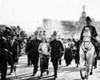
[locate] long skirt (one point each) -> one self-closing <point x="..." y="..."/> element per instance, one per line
<point x="68" y="56"/>
<point x="44" y="62"/>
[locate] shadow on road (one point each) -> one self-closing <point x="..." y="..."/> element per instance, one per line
<point x="28" y="76"/>
<point x="40" y="78"/>
<point x="76" y="79"/>
<point x="68" y="69"/>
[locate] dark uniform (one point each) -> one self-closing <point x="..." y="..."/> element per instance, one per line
<point x="10" y="60"/>
<point x="27" y="51"/>
<point x="93" y="33"/>
<point x="56" y="48"/>
<point x="5" y="55"/>
<point x="34" y="54"/>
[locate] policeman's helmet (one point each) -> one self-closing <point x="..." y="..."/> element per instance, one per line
<point x="88" y="18"/>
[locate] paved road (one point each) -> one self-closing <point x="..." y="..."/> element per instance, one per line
<point x="64" y="73"/>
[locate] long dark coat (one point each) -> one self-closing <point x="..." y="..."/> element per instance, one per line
<point x="56" y="48"/>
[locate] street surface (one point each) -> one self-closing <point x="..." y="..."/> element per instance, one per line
<point x="24" y="72"/>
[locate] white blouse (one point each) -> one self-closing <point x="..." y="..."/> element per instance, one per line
<point x="43" y="47"/>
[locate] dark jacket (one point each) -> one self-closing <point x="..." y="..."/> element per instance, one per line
<point x="56" y="48"/>
<point x="3" y="51"/>
<point x="33" y="48"/>
<point x="28" y="46"/>
<point x="93" y="32"/>
<point x="3" y="43"/>
<point x="14" y="49"/>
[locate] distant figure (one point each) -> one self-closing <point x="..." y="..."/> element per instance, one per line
<point x="44" y="34"/>
<point x="68" y="54"/>
<point x="27" y="51"/>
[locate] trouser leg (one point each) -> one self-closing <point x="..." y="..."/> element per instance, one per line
<point x="29" y="61"/>
<point x="55" y="65"/>
<point x="3" y="71"/>
<point x="35" y="68"/>
<point x="35" y="63"/>
<point x="11" y="63"/>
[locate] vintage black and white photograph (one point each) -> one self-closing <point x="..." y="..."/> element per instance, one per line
<point x="49" y="39"/>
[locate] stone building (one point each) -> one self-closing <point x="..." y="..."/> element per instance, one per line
<point x="69" y="28"/>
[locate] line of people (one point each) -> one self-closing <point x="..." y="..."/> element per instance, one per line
<point x="41" y="49"/>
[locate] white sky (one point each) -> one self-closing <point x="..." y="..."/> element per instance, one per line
<point x="29" y="13"/>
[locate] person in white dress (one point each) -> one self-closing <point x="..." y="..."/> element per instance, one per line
<point x="44" y="50"/>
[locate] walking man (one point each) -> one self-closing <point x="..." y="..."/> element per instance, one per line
<point x="56" y="49"/>
<point x="34" y="52"/>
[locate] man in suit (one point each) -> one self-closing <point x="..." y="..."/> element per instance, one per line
<point x="9" y="61"/>
<point x="56" y="49"/>
<point x="14" y="48"/>
<point x="34" y="52"/>
<point x="5" y="54"/>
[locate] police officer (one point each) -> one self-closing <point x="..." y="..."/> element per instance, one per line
<point x="14" y="48"/>
<point x="5" y="54"/>
<point x="34" y="52"/>
<point x="56" y="48"/>
<point x="93" y="36"/>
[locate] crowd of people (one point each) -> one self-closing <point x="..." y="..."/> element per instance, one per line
<point x="39" y="50"/>
<point x="43" y="49"/>
<point x="10" y="50"/>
